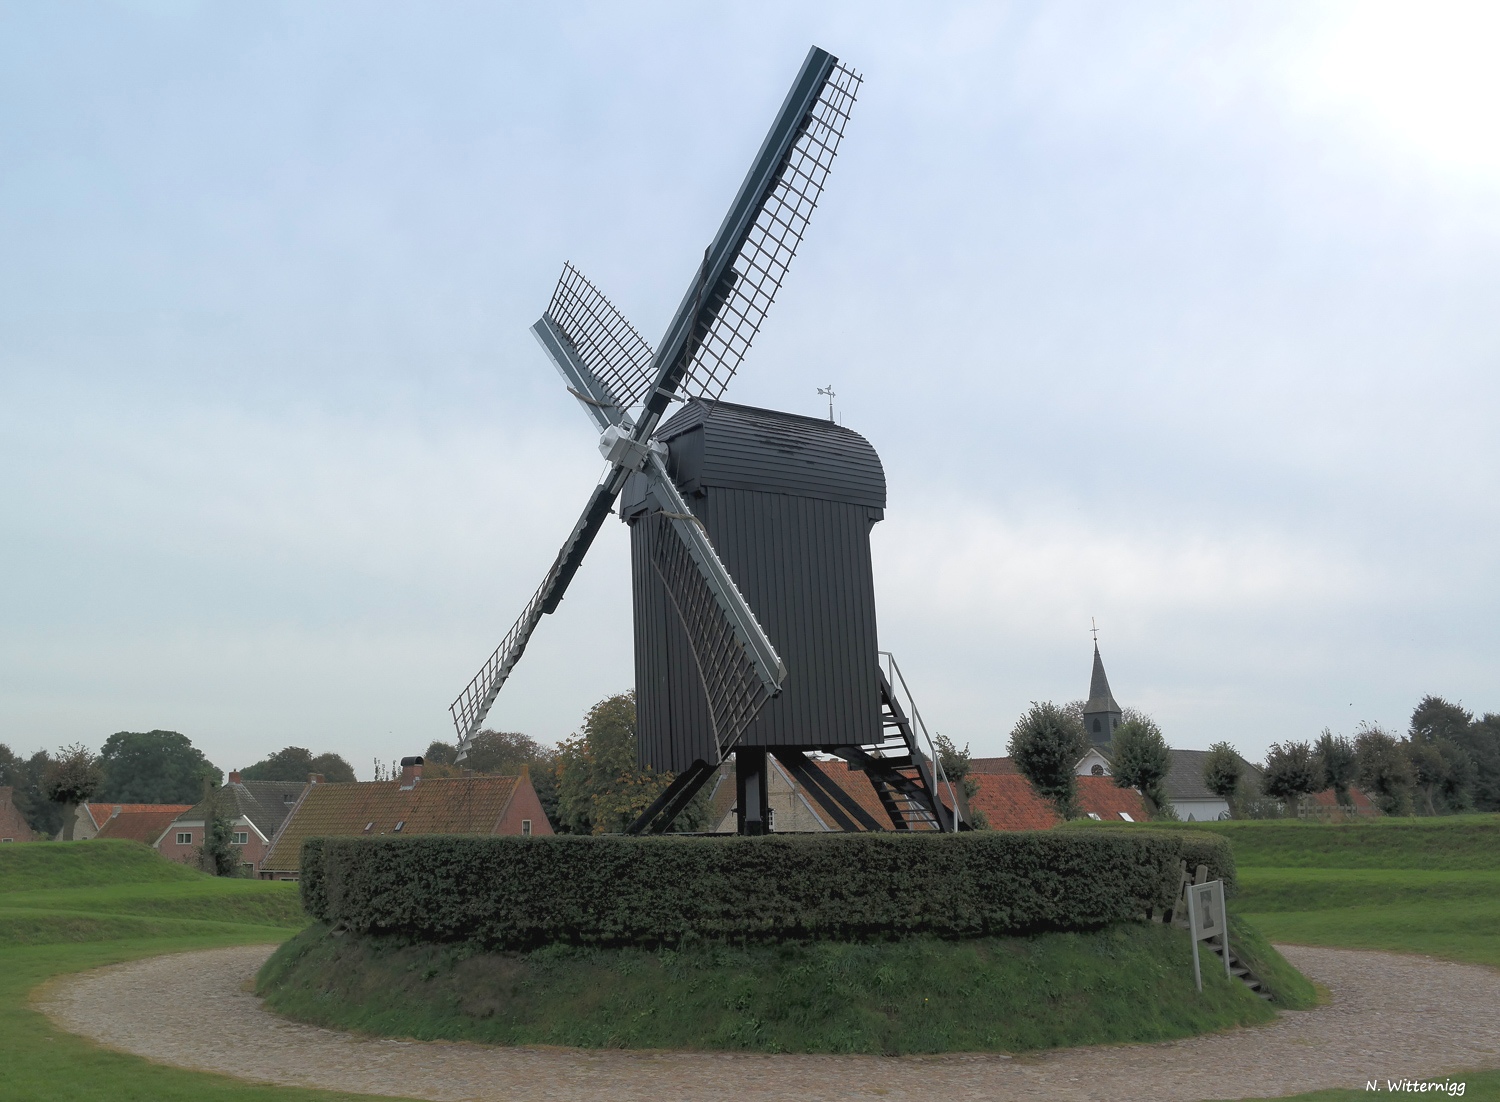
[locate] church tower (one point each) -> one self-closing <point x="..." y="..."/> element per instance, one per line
<point x="1101" y="715"/>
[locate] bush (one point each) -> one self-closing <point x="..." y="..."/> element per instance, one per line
<point x="1046" y="744"/>
<point x="1140" y="758"/>
<point x="512" y="892"/>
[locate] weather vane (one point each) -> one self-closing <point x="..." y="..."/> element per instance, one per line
<point x="828" y="390"/>
<point x="1095" y="629"/>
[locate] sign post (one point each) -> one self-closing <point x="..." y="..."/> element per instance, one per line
<point x="1207" y="919"/>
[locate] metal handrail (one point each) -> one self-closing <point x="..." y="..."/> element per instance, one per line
<point x="893" y="675"/>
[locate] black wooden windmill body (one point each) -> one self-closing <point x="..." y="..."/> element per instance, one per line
<point x="747" y="525"/>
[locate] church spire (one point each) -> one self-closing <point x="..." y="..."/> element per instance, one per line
<point x="1101" y="715"/>
<point x="1100" y="698"/>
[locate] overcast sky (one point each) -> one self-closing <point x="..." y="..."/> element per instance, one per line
<point x="1178" y="316"/>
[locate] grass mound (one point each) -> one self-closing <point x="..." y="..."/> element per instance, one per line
<point x="75" y="892"/>
<point x="1450" y="842"/>
<point x="1131" y="982"/>
<point x="1406" y="885"/>
<point x="87" y="865"/>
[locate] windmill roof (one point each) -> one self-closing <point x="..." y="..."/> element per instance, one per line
<point x="456" y="805"/>
<point x="1100" y="698"/>
<point x="746" y="448"/>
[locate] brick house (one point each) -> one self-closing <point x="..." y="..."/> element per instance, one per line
<point x="1010" y="803"/>
<point x="89" y="818"/>
<point x="256" y="811"/>
<point x="143" y="823"/>
<point x="13" y="825"/>
<point x="410" y="804"/>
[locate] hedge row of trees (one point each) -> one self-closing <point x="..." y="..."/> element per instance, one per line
<point x="1448" y="762"/>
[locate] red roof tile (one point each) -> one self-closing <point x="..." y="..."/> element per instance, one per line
<point x="1010" y="803"/>
<point x="459" y="805"/>
<point x="1327" y="801"/>
<point x="100" y="813"/>
<point x="141" y="826"/>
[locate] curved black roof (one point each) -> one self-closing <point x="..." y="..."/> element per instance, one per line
<point x="719" y="444"/>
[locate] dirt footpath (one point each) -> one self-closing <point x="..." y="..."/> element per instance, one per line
<point x="1391" y="1017"/>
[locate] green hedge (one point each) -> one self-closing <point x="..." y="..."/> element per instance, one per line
<point x="615" y="890"/>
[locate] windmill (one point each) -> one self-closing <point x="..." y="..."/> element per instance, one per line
<point x="625" y="388"/>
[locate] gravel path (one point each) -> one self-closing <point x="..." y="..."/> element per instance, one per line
<point x="1391" y="1017"/>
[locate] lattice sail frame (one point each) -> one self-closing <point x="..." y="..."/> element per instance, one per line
<point x="610" y="347"/>
<point x="735" y="693"/>
<point x="739" y="304"/>
<point x="473" y="704"/>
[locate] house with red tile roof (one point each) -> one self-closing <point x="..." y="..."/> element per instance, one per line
<point x="410" y="804"/>
<point x="91" y="817"/>
<point x="13" y="825"/>
<point x="144" y="823"/>
<point x="1325" y="805"/>
<point x="1008" y="802"/>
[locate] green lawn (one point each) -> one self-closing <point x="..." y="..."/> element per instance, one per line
<point x="1430" y="886"/>
<point x="1406" y="885"/>
<point x="112" y="902"/>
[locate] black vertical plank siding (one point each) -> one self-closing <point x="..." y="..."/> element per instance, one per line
<point x="788" y="503"/>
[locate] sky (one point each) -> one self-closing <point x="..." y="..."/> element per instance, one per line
<point x="1177" y="318"/>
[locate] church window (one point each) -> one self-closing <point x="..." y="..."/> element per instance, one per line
<point x="1096" y="727"/>
<point x="1098" y="770"/>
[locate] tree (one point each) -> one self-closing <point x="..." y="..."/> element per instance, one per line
<point x="1438" y="745"/>
<point x="1291" y="772"/>
<point x="440" y="753"/>
<point x="1434" y="718"/>
<point x="1336" y="765"/>
<point x="600" y="788"/>
<point x="71" y="778"/>
<point x="1483" y="744"/>
<point x="218" y="854"/>
<point x="1382" y="769"/>
<point x="1139" y="758"/>
<point x="153" y="767"/>
<point x="956" y="767"/>
<point x="1223" y="770"/>
<point x="41" y="814"/>
<point x="1046" y="744"/>
<point x="504" y="753"/>
<point x="294" y="763"/>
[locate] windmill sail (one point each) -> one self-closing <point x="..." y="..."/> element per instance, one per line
<point x="735" y="691"/>
<point x="609" y="368"/>
<point x="473" y="704"/>
<point x="616" y="357"/>
<point x="745" y="265"/>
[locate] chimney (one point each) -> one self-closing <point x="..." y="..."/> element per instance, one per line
<point x="315" y="778"/>
<point x="234" y="776"/>
<point x="411" y="773"/>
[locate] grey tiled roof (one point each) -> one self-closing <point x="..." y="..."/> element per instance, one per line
<point x="1185" y="779"/>
<point x="264" y="803"/>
